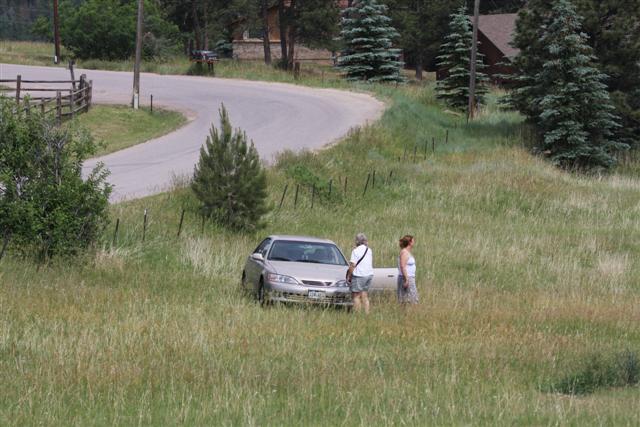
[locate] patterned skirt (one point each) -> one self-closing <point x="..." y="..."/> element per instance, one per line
<point x="408" y="295"/>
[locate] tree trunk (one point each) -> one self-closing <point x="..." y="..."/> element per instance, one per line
<point x="205" y="32"/>
<point x="197" y="34"/>
<point x="292" y="47"/>
<point x="419" y="67"/>
<point x="282" y="18"/>
<point x="266" y="40"/>
<point x="292" y="27"/>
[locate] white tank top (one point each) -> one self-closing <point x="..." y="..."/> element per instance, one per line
<point x="411" y="266"/>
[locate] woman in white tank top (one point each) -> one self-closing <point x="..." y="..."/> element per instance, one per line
<point x="407" y="291"/>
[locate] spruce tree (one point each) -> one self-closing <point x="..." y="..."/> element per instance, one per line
<point x="612" y="29"/>
<point x="456" y="59"/>
<point x="565" y="96"/>
<point x="229" y="180"/>
<point x="368" y="38"/>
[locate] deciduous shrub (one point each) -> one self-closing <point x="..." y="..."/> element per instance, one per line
<point x="46" y="207"/>
<point x="106" y="29"/>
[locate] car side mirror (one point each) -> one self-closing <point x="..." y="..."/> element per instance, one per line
<point x="257" y="256"/>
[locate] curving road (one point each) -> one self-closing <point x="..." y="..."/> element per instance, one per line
<point x="276" y="116"/>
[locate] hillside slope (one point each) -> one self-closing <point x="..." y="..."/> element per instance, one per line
<point x="525" y="273"/>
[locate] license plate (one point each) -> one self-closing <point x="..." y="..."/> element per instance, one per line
<point x="316" y="295"/>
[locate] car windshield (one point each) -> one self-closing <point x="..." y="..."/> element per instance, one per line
<point x="316" y="253"/>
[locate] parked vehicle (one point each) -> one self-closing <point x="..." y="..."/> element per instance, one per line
<point x="304" y="269"/>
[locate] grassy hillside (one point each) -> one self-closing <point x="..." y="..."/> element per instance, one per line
<point x="525" y="273"/>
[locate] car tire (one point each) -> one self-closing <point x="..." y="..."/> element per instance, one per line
<point x="260" y="295"/>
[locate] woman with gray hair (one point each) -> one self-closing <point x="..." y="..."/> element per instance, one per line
<point x="360" y="273"/>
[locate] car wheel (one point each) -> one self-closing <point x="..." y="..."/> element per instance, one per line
<point x="260" y="296"/>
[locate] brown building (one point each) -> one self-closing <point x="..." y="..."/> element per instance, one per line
<point x="495" y="34"/>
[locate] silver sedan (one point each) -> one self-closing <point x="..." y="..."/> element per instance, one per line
<point x="303" y="269"/>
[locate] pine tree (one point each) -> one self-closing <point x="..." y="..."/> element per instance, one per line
<point x="229" y="180"/>
<point x="565" y="96"/>
<point x="456" y="59"/>
<point x="612" y="29"/>
<point x="368" y="38"/>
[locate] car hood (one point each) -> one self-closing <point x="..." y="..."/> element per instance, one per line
<point x="308" y="271"/>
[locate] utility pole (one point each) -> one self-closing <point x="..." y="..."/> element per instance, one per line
<point x="471" y="111"/>
<point x="56" y="32"/>
<point x="135" y="102"/>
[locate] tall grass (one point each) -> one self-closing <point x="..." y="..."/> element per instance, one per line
<point x="523" y="272"/>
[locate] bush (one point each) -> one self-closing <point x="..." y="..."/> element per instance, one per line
<point x="229" y="180"/>
<point x="601" y="371"/>
<point x="46" y="207"/>
<point x="106" y="29"/>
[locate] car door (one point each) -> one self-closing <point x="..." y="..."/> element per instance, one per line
<point x="384" y="279"/>
<point x="254" y="267"/>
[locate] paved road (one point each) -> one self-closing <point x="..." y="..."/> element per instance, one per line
<point x="276" y="116"/>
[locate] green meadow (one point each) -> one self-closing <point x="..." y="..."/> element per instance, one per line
<point x="528" y="279"/>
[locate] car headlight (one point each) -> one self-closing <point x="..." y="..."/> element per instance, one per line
<point x="279" y="278"/>
<point x="342" y="284"/>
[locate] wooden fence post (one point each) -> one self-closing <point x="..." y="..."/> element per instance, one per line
<point x="433" y="144"/>
<point x="89" y="94"/>
<point x="151" y="105"/>
<point x="73" y="74"/>
<point x="345" y="185"/>
<point x="446" y="137"/>
<point x="144" y="226"/>
<point x="181" y="221"/>
<point x="58" y="107"/>
<point x="366" y="185"/>
<point x="295" y="199"/>
<point x="18" y="88"/>
<point x="313" y="194"/>
<point x="296" y="70"/>
<point x="284" y="193"/>
<point x="72" y="102"/>
<point x="115" y="232"/>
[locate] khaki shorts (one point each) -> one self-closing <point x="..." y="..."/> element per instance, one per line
<point x="360" y="283"/>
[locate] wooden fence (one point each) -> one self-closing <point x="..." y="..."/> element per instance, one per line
<point x="64" y="101"/>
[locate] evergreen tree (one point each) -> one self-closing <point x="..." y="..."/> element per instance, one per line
<point x="565" y="96"/>
<point x="612" y="27"/>
<point x="368" y="37"/>
<point x="422" y="25"/>
<point x="229" y="180"/>
<point x="456" y="59"/>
